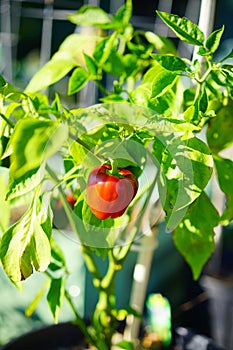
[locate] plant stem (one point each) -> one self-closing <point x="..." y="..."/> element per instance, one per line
<point x="91" y="266"/>
<point x="101" y="87"/>
<point x="8" y="121"/>
<point x="79" y="321"/>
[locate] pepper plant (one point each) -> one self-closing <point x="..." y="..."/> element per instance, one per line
<point x="172" y="113"/>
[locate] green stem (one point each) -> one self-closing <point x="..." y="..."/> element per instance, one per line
<point x="114" y="267"/>
<point x="91" y="266"/>
<point x="8" y="121"/>
<point x="79" y="321"/>
<point x="114" y="165"/>
<point x="101" y="87"/>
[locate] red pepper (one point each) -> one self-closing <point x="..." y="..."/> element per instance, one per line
<point x="71" y="200"/>
<point x="108" y="196"/>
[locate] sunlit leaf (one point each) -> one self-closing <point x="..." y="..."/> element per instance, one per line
<point x="33" y="142"/>
<point x="213" y="41"/>
<point x="26" y="244"/>
<point x="162" y="81"/>
<point x="4" y="205"/>
<point x="24" y="184"/>
<point x="171" y="63"/>
<point x="162" y="44"/>
<point x="183" y="28"/>
<point x="186" y="168"/>
<point x="77" y="80"/>
<point x="90" y="16"/>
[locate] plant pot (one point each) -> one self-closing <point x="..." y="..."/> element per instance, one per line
<point x="67" y="336"/>
<point x="64" y="336"/>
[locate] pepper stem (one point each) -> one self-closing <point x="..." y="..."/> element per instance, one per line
<point x="114" y="165"/>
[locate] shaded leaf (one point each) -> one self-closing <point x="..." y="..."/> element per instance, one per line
<point x="219" y="132"/>
<point x="57" y="262"/>
<point x="225" y="170"/>
<point x="195" y="238"/>
<point x="55" y="297"/>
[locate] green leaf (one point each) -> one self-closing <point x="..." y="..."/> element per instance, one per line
<point x="90" y="16"/>
<point x="24" y="184"/>
<point x="186" y="168"/>
<point x="114" y="64"/>
<point x="124" y="13"/>
<point x="57" y="262"/>
<point x="4" y="205"/>
<point x="203" y="101"/>
<point x="77" y="80"/>
<point x="93" y="232"/>
<point x="55" y="297"/>
<point x="125" y="344"/>
<point x="191" y="113"/>
<point x="213" y="41"/>
<point x="104" y="49"/>
<point x="202" y="51"/>
<point x="69" y="55"/>
<point x="33" y="142"/>
<point x="162" y="81"/>
<point x="78" y="152"/>
<point x="194" y="236"/>
<point x="171" y="63"/>
<point x="57" y="68"/>
<point x="91" y="65"/>
<point x="161" y="44"/>
<point x="26" y="244"/>
<point x="31" y="308"/>
<point x="224" y="168"/>
<point x="183" y="28"/>
<point x="167" y="104"/>
<point x="141" y="94"/>
<point x="3" y="83"/>
<point x="219" y="132"/>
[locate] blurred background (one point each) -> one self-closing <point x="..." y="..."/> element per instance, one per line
<point x="30" y="32"/>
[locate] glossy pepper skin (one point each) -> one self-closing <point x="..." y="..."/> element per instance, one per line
<point x="108" y="196"/>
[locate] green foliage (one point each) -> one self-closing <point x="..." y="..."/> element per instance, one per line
<point x="148" y="118"/>
<point x="26" y="243"/>
<point x="195" y="238"/>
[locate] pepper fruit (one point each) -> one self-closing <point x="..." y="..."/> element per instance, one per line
<point x="108" y="195"/>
